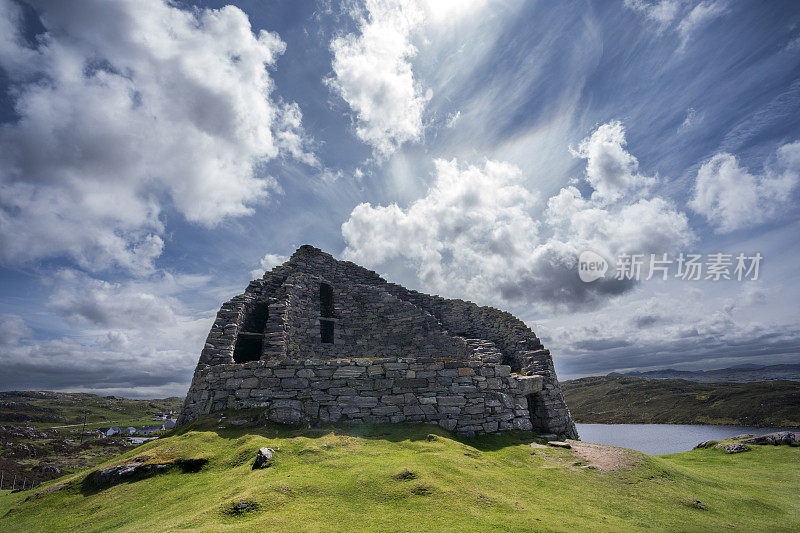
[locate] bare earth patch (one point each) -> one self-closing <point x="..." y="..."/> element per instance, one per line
<point x="603" y="457"/>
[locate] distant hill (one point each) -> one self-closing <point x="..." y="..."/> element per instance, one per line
<point x="739" y="374"/>
<point x="47" y="408"/>
<point x="636" y="400"/>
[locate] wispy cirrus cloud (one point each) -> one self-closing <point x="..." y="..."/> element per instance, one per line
<point x="684" y="18"/>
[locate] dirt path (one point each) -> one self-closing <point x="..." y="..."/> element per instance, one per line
<point x="603" y="457"/>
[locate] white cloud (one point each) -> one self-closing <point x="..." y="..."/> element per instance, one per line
<point x="452" y="118"/>
<point x="692" y="119"/>
<point x="268" y="262"/>
<point x="330" y="175"/>
<point x="647" y="225"/>
<point x="477" y="231"/>
<point x="731" y="198"/>
<point x="12" y="329"/>
<point x="373" y="74"/>
<point x="446" y="11"/>
<point x="85" y="300"/>
<point x="472" y="220"/>
<point x="125" y="107"/>
<point x="610" y="169"/>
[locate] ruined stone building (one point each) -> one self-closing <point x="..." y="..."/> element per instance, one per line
<point x="321" y="340"/>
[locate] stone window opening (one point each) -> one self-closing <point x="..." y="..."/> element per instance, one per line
<point x="326" y="331"/>
<point x="248" y="347"/>
<point x="325" y="300"/>
<point x="250" y="339"/>
<point x="256" y="319"/>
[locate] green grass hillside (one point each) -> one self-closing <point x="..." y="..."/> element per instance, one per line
<point x="412" y="478"/>
<point x="618" y="399"/>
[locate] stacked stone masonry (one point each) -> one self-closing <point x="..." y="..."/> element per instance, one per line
<point x="377" y="352"/>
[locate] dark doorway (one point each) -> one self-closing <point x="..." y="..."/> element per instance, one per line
<point x="538" y="412"/>
<point x="248" y="348"/>
<point x="325" y="300"/>
<point x="326" y="331"/>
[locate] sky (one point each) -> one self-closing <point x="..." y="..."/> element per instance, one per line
<point x="157" y="155"/>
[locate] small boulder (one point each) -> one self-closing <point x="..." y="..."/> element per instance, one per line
<point x="48" y="490"/>
<point x="781" y="437"/>
<point x="48" y="470"/>
<point x="559" y="444"/>
<point x="263" y="458"/>
<point x="286" y="415"/>
<point x="115" y="474"/>
<point x="706" y="444"/>
<point x="736" y="447"/>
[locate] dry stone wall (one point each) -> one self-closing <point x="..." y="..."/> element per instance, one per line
<point x="468" y="397"/>
<point x="368" y="322"/>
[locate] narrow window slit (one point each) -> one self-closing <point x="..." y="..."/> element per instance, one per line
<point x="325" y="300"/>
<point x="326" y="331"/>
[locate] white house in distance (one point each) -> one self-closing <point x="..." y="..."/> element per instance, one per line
<point x="168" y="423"/>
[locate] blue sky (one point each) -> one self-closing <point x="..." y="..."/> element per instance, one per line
<point x="155" y="156"/>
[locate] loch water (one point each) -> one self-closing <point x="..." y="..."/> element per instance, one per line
<point x="659" y="439"/>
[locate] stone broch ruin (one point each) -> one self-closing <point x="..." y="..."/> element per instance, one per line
<point x="318" y="340"/>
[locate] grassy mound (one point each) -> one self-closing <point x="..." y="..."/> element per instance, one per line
<point x="404" y="478"/>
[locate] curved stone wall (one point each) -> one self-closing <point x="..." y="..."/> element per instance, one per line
<point x="468" y="397"/>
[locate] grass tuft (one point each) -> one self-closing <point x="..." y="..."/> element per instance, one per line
<point x="422" y="490"/>
<point x="694" y="504"/>
<point x="240" y="507"/>
<point x="405" y="475"/>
